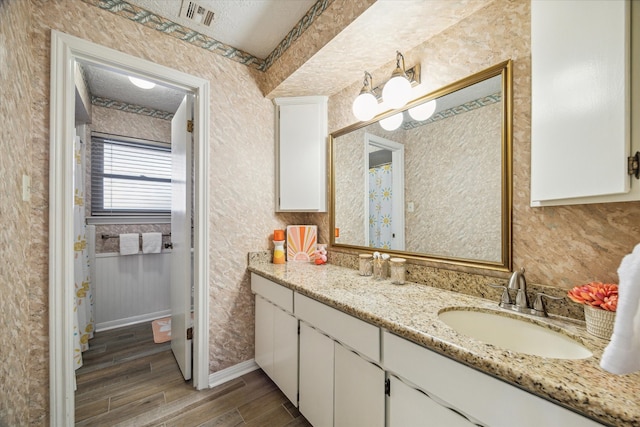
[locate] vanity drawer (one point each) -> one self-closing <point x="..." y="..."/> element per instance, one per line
<point x="355" y="333"/>
<point x="277" y="294"/>
<point x="481" y="397"/>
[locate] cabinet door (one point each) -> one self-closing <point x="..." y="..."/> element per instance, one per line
<point x="316" y="376"/>
<point x="580" y="130"/>
<point x="410" y="407"/>
<point x="302" y="154"/>
<point x="264" y="335"/>
<point x="285" y="353"/>
<point x="359" y="391"/>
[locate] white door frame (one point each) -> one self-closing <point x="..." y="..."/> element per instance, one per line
<point x="397" y="161"/>
<point x="65" y="50"/>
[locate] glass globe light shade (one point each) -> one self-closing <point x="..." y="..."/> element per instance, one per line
<point x="397" y="91"/>
<point x="423" y="111"/>
<point x="391" y="122"/>
<point x="365" y="106"/>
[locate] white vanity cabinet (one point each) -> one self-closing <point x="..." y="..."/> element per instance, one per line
<point x="340" y="385"/>
<point x="276" y="335"/>
<point x="301" y="159"/>
<point x="481" y="398"/>
<point x="582" y="102"/>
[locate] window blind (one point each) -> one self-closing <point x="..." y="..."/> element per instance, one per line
<point x="130" y="177"/>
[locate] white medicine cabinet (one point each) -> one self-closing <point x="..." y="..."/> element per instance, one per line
<point x="583" y="99"/>
<point x="301" y="154"/>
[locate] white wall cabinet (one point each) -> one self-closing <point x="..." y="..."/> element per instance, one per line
<point x="581" y="102"/>
<point x="301" y="158"/>
<point x="276" y="335"/>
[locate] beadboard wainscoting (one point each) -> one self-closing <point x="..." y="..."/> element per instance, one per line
<point x="130" y="289"/>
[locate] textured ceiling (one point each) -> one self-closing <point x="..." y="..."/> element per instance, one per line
<point x="368" y="43"/>
<point x="372" y="40"/>
<point x="116" y="86"/>
<point x="254" y="26"/>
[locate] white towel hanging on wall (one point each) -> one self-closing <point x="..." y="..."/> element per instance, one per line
<point x="151" y="243"/>
<point x="129" y="243"/>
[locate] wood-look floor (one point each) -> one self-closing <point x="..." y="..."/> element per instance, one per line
<point x="129" y="380"/>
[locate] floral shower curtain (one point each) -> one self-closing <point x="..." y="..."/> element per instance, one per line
<point x="380" y="197"/>
<point x="83" y="307"/>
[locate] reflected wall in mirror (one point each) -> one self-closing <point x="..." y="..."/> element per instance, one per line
<point x="437" y="188"/>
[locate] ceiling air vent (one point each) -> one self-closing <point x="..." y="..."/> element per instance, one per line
<point x="196" y="13"/>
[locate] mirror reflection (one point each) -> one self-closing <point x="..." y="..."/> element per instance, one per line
<point x="435" y="183"/>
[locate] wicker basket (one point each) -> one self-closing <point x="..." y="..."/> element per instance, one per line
<point x="599" y="322"/>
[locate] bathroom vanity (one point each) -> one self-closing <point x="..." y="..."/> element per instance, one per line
<point x="349" y="350"/>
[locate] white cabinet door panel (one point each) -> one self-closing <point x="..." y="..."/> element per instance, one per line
<point x="302" y="153"/>
<point x="316" y="376"/>
<point x="285" y="353"/>
<point x="359" y="391"/>
<point x="580" y="99"/>
<point x="410" y="407"/>
<point x="264" y="335"/>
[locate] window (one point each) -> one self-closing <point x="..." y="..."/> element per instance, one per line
<point x="130" y="177"/>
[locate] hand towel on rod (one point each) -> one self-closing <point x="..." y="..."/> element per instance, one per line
<point x="129" y="243"/>
<point x="622" y="355"/>
<point x="151" y="243"/>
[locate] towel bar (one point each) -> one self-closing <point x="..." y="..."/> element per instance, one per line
<point x="116" y="236"/>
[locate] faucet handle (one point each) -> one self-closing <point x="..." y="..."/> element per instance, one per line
<point x="539" y="308"/>
<point x="505" y="299"/>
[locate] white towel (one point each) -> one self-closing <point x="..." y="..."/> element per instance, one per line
<point x="129" y="243"/>
<point x="622" y="355"/>
<point x="151" y="243"/>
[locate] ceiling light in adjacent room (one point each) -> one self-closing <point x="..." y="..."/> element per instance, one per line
<point x="143" y="84"/>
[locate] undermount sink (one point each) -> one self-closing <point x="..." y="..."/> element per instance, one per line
<point x="513" y="334"/>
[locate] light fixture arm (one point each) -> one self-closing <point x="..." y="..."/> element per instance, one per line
<point x="400" y="56"/>
<point x="367" y="83"/>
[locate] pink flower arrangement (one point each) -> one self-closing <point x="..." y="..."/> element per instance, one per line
<point x="599" y="295"/>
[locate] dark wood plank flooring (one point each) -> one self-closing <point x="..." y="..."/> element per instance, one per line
<point x="128" y="380"/>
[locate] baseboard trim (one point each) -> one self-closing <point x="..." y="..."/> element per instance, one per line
<point x="232" y="372"/>
<point x="134" y="320"/>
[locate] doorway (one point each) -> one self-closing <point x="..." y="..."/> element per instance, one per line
<point x="384" y="193"/>
<point x="65" y="51"/>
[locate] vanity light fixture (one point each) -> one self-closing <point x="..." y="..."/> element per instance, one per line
<point x="397" y="91"/>
<point x="365" y="106"/>
<point x="392" y="122"/>
<point x="142" y="84"/>
<point x="422" y="112"/>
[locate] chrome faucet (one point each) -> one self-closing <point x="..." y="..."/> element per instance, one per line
<point x="517" y="281"/>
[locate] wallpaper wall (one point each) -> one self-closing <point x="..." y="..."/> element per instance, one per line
<point x="15" y="231"/>
<point x="241" y="181"/>
<point x="453" y="177"/>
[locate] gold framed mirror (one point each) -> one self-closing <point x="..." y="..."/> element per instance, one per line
<point x="437" y="188"/>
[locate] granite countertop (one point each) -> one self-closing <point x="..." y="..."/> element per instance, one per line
<point x="411" y="311"/>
